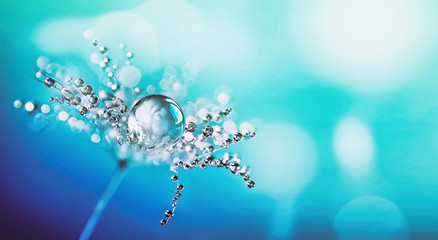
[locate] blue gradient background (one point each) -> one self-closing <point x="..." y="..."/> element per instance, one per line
<point x="299" y="77"/>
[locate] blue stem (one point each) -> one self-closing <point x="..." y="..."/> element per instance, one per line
<point x="101" y="204"/>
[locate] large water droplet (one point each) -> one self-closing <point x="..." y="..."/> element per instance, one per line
<point x="68" y="93"/>
<point x="157" y="121"/>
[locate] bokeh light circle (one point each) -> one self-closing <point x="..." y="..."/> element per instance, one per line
<point x="370" y="217"/>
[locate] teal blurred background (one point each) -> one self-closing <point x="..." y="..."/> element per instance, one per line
<point x="343" y="94"/>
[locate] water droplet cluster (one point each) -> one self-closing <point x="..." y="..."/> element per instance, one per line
<point x="198" y="149"/>
<point x="137" y="124"/>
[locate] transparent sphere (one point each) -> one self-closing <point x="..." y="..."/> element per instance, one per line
<point x="156" y="121"/>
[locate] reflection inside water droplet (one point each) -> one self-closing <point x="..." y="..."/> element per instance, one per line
<point x="156" y="121"/>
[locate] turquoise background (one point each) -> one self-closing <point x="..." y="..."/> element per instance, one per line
<point x="343" y="95"/>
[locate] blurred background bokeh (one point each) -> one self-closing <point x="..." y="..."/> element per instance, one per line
<point x="343" y="95"/>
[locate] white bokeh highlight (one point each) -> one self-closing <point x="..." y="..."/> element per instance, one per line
<point x="369" y="46"/>
<point x="370" y="217"/>
<point x="285" y="160"/>
<point x="354" y="147"/>
<point x="284" y="163"/>
<point x="129" y="76"/>
<point x="169" y="32"/>
<point x="179" y="26"/>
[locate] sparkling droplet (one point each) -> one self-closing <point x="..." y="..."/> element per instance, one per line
<point x="49" y="82"/>
<point x="210" y="149"/>
<point x="209" y="159"/>
<point x="174" y="178"/>
<point x="244" y="171"/>
<point x="115" y="118"/>
<point x="169" y="213"/>
<point x="237" y="137"/>
<point x="207" y="118"/>
<point x="236" y="158"/>
<point x="250" y="184"/>
<point x="83" y="110"/>
<point x="87" y="90"/>
<point x="213" y="163"/>
<point x="117" y="102"/>
<point x="120" y="139"/>
<point x="207" y="131"/>
<point x="193" y="164"/>
<point x="186" y="167"/>
<point x="93" y="99"/>
<point x="227" y="142"/>
<point x="180" y="187"/>
<point x="235" y="168"/>
<point x="227" y="111"/>
<point x="219" y="163"/>
<point x="163" y="222"/>
<point x="180" y="163"/>
<point x="68" y="93"/>
<point x="190" y="127"/>
<point x="76" y="101"/>
<point x="123" y="109"/>
<point x="79" y="82"/>
<point x="245" y="133"/>
<point x="103" y="49"/>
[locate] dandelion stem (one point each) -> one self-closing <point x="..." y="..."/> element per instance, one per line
<point x="103" y="201"/>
